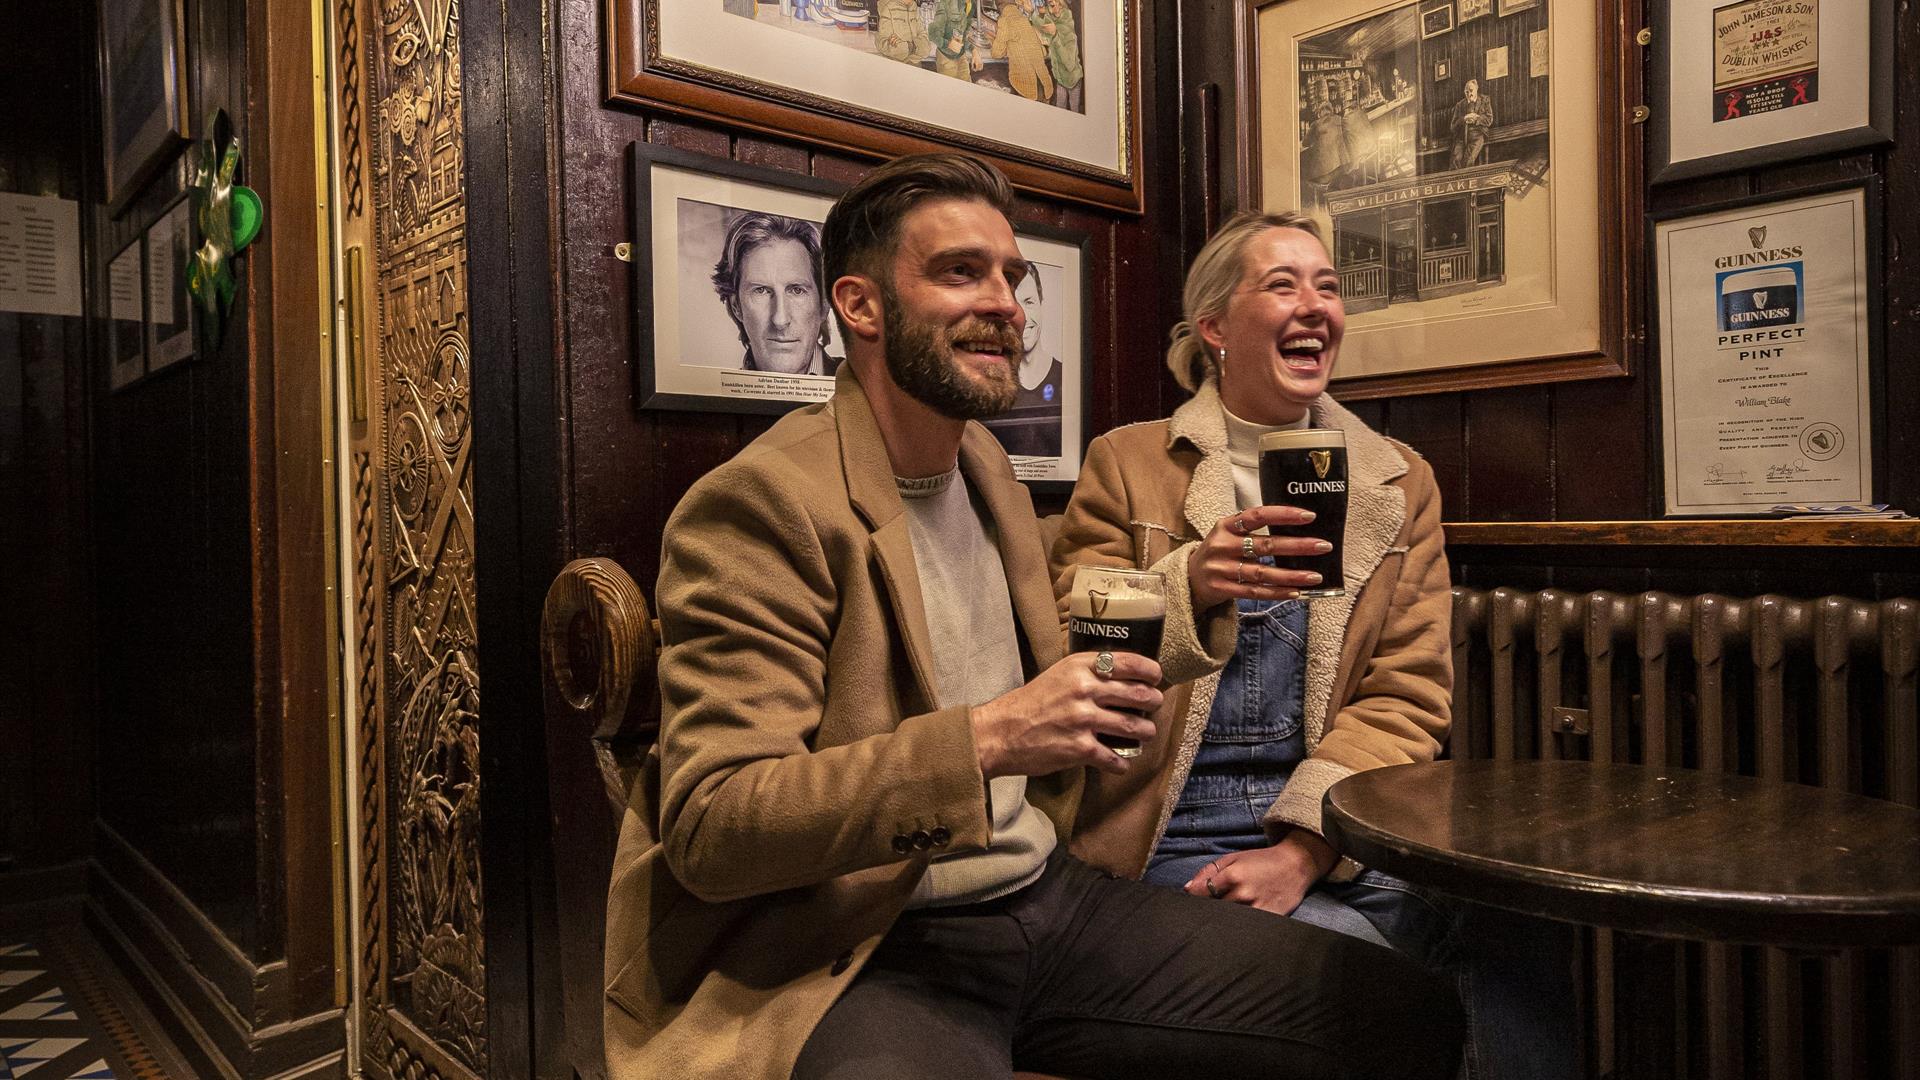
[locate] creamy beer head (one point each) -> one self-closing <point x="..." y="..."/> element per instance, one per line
<point x="1101" y="592"/>
<point x="1303" y="439"/>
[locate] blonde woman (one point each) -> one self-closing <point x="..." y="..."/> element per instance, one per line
<point x="1225" y="802"/>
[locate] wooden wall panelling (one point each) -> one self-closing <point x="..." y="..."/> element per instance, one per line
<point x="289" y="443"/>
<point x="512" y="186"/>
<point x="1509" y="441"/>
<point x="1431" y="424"/>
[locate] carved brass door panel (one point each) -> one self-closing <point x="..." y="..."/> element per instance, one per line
<point x="420" y="988"/>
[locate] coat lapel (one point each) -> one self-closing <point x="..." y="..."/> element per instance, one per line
<point x="1022" y="551"/>
<point x="876" y="498"/>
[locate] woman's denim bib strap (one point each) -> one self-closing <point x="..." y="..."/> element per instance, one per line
<point x="1253" y="740"/>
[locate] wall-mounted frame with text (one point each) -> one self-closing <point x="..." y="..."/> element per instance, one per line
<point x="1748" y="83"/>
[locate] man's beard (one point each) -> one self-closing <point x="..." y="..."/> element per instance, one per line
<point x="920" y="359"/>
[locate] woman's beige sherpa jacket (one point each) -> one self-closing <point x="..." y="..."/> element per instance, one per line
<point x="1379" y="678"/>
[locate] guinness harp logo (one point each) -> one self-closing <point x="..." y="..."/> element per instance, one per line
<point x="1757" y="234"/>
<point x="1760" y="298"/>
<point x="1322" y="461"/>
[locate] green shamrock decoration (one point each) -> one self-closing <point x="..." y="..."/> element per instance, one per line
<point x="229" y="217"/>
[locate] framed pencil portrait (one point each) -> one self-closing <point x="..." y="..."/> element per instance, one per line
<point x="1048" y="89"/>
<point x="143" y="91"/>
<point x="1466" y="164"/>
<point x="733" y="316"/>
<point x="1740" y="84"/>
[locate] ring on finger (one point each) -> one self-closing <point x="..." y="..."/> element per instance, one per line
<point x="1211" y="891"/>
<point x="1239" y="572"/>
<point x="1103" y="664"/>
<point x="1240" y="524"/>
<point x="1247" y="550"/>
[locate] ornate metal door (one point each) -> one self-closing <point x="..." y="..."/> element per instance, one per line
<point x="420" y="984"/>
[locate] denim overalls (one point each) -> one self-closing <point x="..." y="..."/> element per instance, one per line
<point x="1254" y="738"/>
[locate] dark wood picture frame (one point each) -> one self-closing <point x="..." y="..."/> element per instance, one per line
<point x="1621" y="239"/>
<point x="643" y="158"/>
<point x="640" y="76"/>
<point x="126" y="338"/>
<point x="1876" y="128"/>
<point x="143" y="91"/>
<point x="1875" y="289"/>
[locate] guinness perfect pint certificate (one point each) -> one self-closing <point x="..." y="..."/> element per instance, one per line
<point x="1764" y="355"/>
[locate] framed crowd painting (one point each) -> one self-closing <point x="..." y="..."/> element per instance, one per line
<point x="1755" y="82"/>
<point x="1465" y="161"/>
<point x="733" y="317"/>
<point x="1049" y="89"/>
<point x="143" y="90"/>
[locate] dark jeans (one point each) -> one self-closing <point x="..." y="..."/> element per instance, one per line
<point x="1088" y="975"/>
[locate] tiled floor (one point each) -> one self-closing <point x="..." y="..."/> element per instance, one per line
<point x="58" y="1020"/>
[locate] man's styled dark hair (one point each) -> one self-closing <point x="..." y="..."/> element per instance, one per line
<point x="749" y="231"/>
<point x="864" y="226"/>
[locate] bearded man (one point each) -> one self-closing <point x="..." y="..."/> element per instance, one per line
<point x="846" y="856"/>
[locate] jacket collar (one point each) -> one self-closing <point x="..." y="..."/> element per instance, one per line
<point x="876" y="498"/>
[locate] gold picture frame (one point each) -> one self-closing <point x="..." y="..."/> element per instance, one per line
<point x="837" y="75"/>
<point x="1471" y="197"/>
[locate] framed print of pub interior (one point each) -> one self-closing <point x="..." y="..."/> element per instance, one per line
<point x="327" y="675"/>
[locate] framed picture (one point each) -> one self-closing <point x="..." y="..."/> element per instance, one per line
<point x="126" y="326"/>
<point x="1755" y="82"/>
<point x="1769" y="316"/>
<point x="733" y="317"/>
<point x="1049" y="89"/>
<point x="169" y="311"/>
<point x="1508" y="7"/>
<point x="1474" y="9"/>
<point x="1477" y="222"/>
<point x="143" y="90"/>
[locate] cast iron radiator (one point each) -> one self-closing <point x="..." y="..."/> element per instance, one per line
<point x="1818" y="691"/>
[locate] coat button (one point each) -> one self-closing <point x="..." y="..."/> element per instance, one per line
<point x="921" y="841"/>
<point x="940" y="836"/>
<point x="841" y="964"/>
<point x="901" y="844"/>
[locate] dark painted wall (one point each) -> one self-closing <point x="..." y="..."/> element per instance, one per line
<point x="178" y="739"/>
<point x="46" y="668"/>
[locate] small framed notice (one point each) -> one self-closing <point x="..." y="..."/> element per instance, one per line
<point x="1739" y="84"/>
<point x="1767" y="320"/>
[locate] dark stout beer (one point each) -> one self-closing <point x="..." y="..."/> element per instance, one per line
<point x="1308" y="469"/>
<point x="1112" y="610"/>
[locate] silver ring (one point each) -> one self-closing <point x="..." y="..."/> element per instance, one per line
<point x="1211" y="891"/>
<point x="1237" y="569"/>
<point x="1240" y="524"/>
<point x="1247" y="550"/>
<point x="1103" y="664"/>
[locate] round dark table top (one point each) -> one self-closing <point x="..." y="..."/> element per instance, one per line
<point x="1667" y="851"/>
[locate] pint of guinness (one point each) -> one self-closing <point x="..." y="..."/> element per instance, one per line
<point x="1308" y="469"/>
<point x="1113" y="610"/>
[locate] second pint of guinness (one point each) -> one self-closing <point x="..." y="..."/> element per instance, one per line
<point x="1115" y="610"/>
<point x="1308" y="469"/>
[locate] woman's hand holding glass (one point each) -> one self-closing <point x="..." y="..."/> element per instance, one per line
<point x="1224" y="566"/>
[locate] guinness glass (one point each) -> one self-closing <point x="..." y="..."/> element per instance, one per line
<point x="1308" y="469"/>
<point x="1112" y="610"/>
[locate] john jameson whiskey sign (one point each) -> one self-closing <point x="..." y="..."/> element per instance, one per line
<point x="1764" y="353"/>
<point x="1766" y="57"/>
